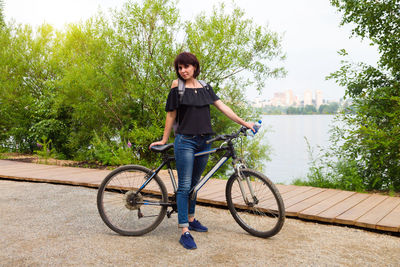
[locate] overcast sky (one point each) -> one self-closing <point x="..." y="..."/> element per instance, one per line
<point x="311" y="34"/>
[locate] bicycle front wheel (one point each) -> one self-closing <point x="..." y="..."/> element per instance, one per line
<point x="255" y="203"/>
<point x="123" y="209"/>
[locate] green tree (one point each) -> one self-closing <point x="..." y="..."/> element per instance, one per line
<point x="371" y="139"/>
<point x="330" y="108"/>
<point x="309" y="109"/>
<point x="26" y="93"/>
<point x="89" y="90"/>
<point x="5" y="40"/>
<point x="146" y="47"/>
<point x="116" y="77"/>
<point x="292" y="110"/>
<point x="235" y="54"/>
<point x="2" y="20"/>
<point x="100" y="84"/>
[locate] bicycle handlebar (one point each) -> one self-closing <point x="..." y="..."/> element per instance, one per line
<point x="228" y="136"/>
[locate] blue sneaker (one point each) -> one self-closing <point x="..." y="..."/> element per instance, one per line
<point x="197" y="226"/>
<point x="187" y="241"/>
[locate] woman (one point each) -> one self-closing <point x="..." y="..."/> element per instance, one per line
<point x="192" y="114"/>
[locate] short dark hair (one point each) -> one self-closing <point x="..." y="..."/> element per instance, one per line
<point x="186" y="58"/>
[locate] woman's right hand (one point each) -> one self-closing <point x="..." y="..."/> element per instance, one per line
<point x="249" y="125"/>
<point x="158" y="143"/>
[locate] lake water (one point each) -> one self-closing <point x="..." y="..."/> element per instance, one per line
<point x="286" y="135"/>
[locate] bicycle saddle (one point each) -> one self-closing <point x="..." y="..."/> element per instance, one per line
<point x="162" y="148"/>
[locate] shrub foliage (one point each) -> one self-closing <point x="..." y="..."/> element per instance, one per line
<point x="98" y="85"/>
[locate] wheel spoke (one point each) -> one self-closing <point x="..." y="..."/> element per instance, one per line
<point x="124" y="210"/>
<point x="256" y="217"/>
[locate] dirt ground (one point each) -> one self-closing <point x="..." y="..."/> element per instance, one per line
<point x="56" y="225"/>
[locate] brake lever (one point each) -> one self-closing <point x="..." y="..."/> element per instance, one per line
<point x="223" y="143"/>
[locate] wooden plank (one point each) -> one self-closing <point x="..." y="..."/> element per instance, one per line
<point x="26" y="169"/>
<point x="364" y="210"/>
<point x="373" y="216"/>
<point x="66" y="182"/>
<point x="23" y="167"/>
<point x="76" y="172"/>
<point x="212" y="187"/>
<point x="271" y="203"/>
<point x="296" y="208"/>
<point x="351" y="215"/>
<point x="301" y="197"/>
<point x="60" y="174"/>
<point x="217" y="195"/>
<point x="282" y="188"/>
<point x="57" y="174"/>
<point x="390" y="222"/>
<point x="312" y="212"/>
<point x="207" y="192"/>
<point x="331" y="213"/>
<point x="6" y="162"/>
<point x="38" y="172"/>
<point x="297" y="191"/>
<point x="217" y="198"/>
<point x="168" y="185"/>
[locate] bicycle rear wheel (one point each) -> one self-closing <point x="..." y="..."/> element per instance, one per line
<point x="261" y="216"/>
<point x="123" y="209"/>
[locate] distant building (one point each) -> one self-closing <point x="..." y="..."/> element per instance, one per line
<point x="318" y="98"/>
<point x="308" y="100"/>
<point x="289" y="98"/>
<point x="296" y="101"/>
<point x="279" y="99"/>
<point x="259" y="103"/>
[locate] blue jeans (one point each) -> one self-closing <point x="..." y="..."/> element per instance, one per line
<point x="189" y="170"/>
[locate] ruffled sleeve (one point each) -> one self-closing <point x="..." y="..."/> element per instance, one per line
<point x="199" y="97"/>
<point x="213" y="96"/>
<point x="172" y="100"/>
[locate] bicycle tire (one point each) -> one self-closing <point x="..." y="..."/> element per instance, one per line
<point x="262" y="218"/>
<point x="116" y="201"/>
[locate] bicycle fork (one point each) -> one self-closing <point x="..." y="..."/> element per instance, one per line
<point x="240" y="178"/>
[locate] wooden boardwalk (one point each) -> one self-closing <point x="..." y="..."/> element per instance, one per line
<point x="371" y="211"/>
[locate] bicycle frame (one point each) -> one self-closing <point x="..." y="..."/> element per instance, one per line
<point x="168" y="159"/>
<point x="230" y="153"/>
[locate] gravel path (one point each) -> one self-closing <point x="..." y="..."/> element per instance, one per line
<point x="55" y="225"/>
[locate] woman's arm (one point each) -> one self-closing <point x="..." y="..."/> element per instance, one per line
<point x="169" y="121"/>
<point x="232" y="115"/>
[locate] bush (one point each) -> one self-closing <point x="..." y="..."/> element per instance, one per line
<point x="108" y="152"/>
<point x="112" y="77"/>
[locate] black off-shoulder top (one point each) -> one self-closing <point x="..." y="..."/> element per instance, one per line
<point x="193" y="113"/>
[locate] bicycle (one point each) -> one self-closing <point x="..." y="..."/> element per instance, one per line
<point x="133" y="200"/>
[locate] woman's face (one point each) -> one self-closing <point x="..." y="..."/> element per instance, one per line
<point x="186" y="71"/>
